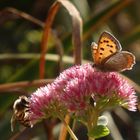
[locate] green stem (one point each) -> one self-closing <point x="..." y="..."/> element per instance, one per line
<point x="69" y="129"/>
<point x="91" y="138"/>
<point x="92" y="121"/>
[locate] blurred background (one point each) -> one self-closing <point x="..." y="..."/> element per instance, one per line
<point x="20" y="41"/>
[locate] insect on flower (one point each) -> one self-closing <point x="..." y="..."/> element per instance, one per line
<point x="108" y="56"/>
<point x="21" y="111"/>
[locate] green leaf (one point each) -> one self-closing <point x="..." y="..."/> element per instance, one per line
<point x="98" y="131"/>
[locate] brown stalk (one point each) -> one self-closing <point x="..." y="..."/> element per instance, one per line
<point x="22" y="14"/>
<point x="24" y="84"/>
<point x="76" y="33"/>
<point x="76" y="30"/>
<point x="52" y="12"/>
<point x="63" y="131"/>
<point x="60" y="50"/>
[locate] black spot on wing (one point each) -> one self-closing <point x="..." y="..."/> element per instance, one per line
<point x="102" y="49"/>
<point x="110" y="51"/>
<point x="111" y="46"/>
<point x="105" y="41"/>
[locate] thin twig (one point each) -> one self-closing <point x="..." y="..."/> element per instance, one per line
<point x="63" y="131"/>
<point x="73" y="136"/>
<point x="76" y="30"/>
<point x="24" y="84"/>
<point x="27" y="56"/>
<point x="60" y="51"/>
<point x="23" y="15"/>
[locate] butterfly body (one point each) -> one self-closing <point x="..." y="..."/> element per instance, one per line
<point x="108" y="56"/>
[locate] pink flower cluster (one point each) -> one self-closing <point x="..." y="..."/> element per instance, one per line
<point x="40" y="101"/>
<point x="74" y="87"/>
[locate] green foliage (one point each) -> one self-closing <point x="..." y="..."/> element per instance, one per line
<point x="99" y="131"/>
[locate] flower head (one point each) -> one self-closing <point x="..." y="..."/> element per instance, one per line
<point x="73" y="89"/>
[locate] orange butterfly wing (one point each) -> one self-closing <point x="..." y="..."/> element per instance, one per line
<point x="107" y="46"/>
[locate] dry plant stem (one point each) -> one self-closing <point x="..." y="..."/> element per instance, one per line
<point x="52" y="12"/>
<point x="68" y="129"/>
<point x="63" y="133"/>
<point x="76" y="34"/>
<point x="26" y="57"/>
<point x="76" y="30"/>
<point x="60" y="51"/>
<point x="12" y="86"/>
<point x="23" y="15"/>
<point x="70" y="132"/>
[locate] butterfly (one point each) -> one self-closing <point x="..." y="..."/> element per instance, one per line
<point x="108" y="54"/>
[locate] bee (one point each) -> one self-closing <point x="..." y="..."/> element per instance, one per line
<point x="21" y="112"/>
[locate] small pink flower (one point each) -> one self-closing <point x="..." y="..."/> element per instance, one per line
<point x="73" y="72"/>
<point x="76" y="95"/>
<point x="43" y="103"/>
